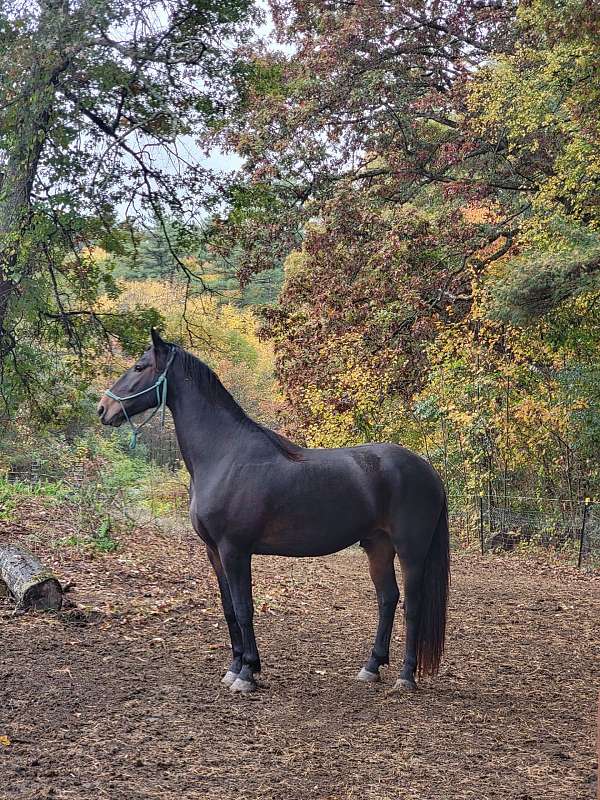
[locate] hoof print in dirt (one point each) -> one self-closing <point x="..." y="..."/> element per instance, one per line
<point x="72" y="614"/>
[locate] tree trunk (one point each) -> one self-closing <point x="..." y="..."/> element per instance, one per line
<point x="28" y="581"/>
<point x="32" y="116"/>
<point x="17" y="182"/>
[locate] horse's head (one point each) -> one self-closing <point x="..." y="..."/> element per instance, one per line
<point x="141" y="387"/>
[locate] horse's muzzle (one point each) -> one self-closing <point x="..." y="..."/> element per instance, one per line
<point x="108" y="416"/>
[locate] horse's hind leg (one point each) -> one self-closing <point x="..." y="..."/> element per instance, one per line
<point x="412" y="577"/>
<point x="381" y="555"/>
<point x="235" y="633"/>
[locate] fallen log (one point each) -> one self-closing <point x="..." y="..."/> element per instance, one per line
<point x="27" y="580"/>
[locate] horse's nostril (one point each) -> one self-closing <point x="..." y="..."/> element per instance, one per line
<point x="101" y="410"/>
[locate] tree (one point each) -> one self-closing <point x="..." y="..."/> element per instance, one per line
<point x="372" y="95"/>
<point x="367" y="288"/>
<point x="359" y="157"/>
<point x="542" y="101"/>
<point x="428" y="174"/>
<point x="153" y="252"/>
<point x="157" y="250"/>
<point x="493" y="105"/>
<point x="97" y="97"/>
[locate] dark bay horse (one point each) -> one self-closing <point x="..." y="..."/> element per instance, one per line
<point x="253" y="491"/>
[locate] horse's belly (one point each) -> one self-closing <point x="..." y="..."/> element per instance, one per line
<point x="284" y="538"/>
<point x="298" y="545"/>
<point x="319" y="509"/>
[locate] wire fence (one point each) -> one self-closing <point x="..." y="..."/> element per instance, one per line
<point x="570" y="528"/>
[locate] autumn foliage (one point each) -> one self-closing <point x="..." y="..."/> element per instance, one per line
<point x="429" y="176"/>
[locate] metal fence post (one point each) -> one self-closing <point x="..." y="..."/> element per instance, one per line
<point x="586" y="505"/>
<point x="481" y="522"/>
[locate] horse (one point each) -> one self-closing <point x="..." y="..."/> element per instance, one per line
<point x="252" y="491"/>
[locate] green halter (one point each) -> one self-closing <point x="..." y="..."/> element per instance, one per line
<point x="161" y="399"/>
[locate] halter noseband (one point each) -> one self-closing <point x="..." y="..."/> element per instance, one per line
<point x="161" y="399"/>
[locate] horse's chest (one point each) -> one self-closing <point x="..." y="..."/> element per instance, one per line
<point x="214" y="509"/>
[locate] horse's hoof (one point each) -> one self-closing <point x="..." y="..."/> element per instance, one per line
<point x="405" y="684"/>
<point x="229" y="677"/>
<point x="243" y="686"/>
<point x="368" y="677"/>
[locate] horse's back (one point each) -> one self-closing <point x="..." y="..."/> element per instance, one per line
<point x="400" y="469"/>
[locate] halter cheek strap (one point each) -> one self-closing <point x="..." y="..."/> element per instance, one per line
<point x="161" y="399"/>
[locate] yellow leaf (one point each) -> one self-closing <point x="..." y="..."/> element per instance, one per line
<point x="4" y="740"/>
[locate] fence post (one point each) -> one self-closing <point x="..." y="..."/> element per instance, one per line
<point x="481" y="522"/>
<point x="586" y="505"/>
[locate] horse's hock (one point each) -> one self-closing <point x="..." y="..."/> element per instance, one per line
<point x="27" y="580"/>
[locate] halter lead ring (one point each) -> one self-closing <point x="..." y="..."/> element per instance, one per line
<point x="161" y="399"/>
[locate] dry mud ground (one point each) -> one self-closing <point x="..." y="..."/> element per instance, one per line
<point x="119" y="696"/>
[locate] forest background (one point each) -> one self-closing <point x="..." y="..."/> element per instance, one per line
<point x="405" y="247"/>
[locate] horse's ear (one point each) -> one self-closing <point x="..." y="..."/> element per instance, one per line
<point x="161" y="349"/>
<point x="158" y="343"/>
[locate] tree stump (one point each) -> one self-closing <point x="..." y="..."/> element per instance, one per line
<point x="27" y="580"/>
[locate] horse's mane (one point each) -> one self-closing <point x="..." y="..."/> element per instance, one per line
<point x="212" y="388"/>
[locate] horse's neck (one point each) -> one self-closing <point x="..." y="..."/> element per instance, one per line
<point x="211" y="433"/>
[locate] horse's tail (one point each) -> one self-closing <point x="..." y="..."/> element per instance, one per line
<point x="434" y="598"/>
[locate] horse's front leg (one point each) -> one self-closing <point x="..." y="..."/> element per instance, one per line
<point x="236" y="564"/>
<point x="235" y="633"/>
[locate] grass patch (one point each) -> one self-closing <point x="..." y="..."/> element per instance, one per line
<point x="11" y="492"/>
<point x="102" y="541"/>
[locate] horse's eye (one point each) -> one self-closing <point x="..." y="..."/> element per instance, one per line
<point x="139" y="367"/>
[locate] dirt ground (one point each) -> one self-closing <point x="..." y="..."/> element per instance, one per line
<point x="119" y="696"/>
